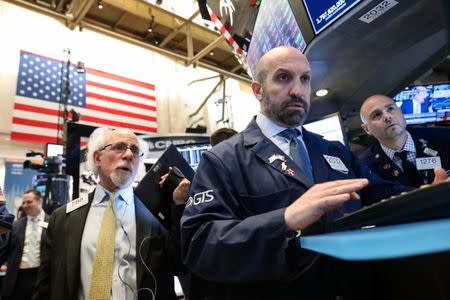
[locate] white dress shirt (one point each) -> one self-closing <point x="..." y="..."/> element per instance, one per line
<point x="125" y="249"/>
<point x="25" y="262"/>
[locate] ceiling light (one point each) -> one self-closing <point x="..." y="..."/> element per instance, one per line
<point x="322" y="92"/>
<point x="150" y="26"/>
<point x="100" y="4"/>
<point x="211" y="53"/>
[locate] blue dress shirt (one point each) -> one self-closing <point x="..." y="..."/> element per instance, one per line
<point x="125" y="285"/>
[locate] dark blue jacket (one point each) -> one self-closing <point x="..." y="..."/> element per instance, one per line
<point x="436" y="138"/>
<point x="233" y="229"/>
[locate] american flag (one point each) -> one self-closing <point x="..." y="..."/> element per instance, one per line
<point x="102" y="99"/>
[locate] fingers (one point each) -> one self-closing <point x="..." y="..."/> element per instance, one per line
<point x="440" y="175"/>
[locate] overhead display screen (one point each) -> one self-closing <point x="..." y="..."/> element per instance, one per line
<point x="275" y="26"/>
<point x="324" y="12"/>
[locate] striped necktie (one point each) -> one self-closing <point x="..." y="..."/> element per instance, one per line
<point x="101" y="278"/>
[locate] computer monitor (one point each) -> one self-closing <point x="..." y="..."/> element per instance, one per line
<point x="54" y="150"/>
<point x="425" y="103"/>
<point x="329" y="126"/>
<point x="192" y="153"/>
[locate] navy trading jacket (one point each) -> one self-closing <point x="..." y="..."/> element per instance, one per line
<point x="429" y="142"/>
<point x="233" y="230"/>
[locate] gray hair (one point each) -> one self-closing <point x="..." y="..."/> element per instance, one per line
<point x="98" y="139"/>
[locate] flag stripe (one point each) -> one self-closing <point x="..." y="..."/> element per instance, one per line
<point x="35" y="109"/>
<point x="122" y="107"/>
<point x="120" y="78"/>
<point x="118" y="112"/>
<point x="35" y="123"/>
<point x="119" y="84"/>
<point x="117" y="100"/>
<point x="117" y="124"/>
<point x="125" y="97"/>
<point x="34" y="138"/>
<point x="120" y="90"/>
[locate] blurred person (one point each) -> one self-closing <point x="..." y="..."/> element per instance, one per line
<point x="108" y="245"/>
<point x="420" y="103"/>
<point x="23" y="251"/>
<point x="256" y="192"/>
<point x="394" y="155"/>
<point x="220" y="135"/>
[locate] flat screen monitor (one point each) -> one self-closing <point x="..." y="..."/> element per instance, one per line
<point x="275" y="26"/>
<point x="192" y="153"/>
<point x="425" y="103"/>
<point x="329" y="126"/>
<point x="54" y="149"/>
<point x="322" y="13"/>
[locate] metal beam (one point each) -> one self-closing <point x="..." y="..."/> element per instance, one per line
<point x="120" y="20"/>
<point x="60" y="5"/>
<point x="206" y="50"/>
<point x="176" y="30"/>
<point x="189" y="43"/>
<point x="80" y="13"/>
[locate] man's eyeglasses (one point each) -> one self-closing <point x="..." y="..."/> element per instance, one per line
<point x="123" y="147"/>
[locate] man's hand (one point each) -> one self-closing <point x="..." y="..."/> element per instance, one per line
<point x="319" y="199"/>
<point x="440" y="175"/>
<point x="180" y="194"/>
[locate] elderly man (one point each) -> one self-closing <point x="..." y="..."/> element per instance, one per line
<point x="254" y="193"/>
<point x="108" y="245"/>
<point x="408" y="156"/>
<point x="24" y="249"/>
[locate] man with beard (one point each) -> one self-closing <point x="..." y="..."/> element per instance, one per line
<point x="394" y="155"/>
<point x="255" y="193"/>
<point x="107" y="245"/>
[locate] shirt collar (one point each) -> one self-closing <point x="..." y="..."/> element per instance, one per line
<point x="126" y="194"/>
<point x="268" y="127"/>
<point x="40" y="216"/>
<point x="409" y="146"/>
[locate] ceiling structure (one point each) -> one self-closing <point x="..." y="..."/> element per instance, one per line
<point x="351" y="58"/>
<point x="150" y="26"/>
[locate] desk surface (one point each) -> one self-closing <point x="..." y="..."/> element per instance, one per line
<point x="386" y="242"/>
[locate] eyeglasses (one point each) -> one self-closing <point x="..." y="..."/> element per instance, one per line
<point x="123" y="147"/>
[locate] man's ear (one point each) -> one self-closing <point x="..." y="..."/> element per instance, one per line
<point x="97" y="158"/>
<point x="366" y="129"/>
<point x="257" y="89"/>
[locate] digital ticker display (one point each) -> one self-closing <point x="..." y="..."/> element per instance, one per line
<point x="324" y="12"/>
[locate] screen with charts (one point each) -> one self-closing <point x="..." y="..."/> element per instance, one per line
<point x="330" y="127"/>
<point x="275" y="26"/>
<point x="425" y="103"/>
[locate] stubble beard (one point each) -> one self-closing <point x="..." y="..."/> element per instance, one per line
<point x="283" y="116"/>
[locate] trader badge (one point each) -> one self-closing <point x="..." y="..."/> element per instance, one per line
<point x="275" y="157"/>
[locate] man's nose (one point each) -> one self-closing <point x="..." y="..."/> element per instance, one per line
<point x="297" y="89"/>
<point x="387" y="117"/>
<point x="128" y="154"/>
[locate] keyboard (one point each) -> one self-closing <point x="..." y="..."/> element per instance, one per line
<point x="427" y="203"/>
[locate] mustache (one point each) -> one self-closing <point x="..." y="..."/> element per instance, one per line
<point x="297" y="100"/>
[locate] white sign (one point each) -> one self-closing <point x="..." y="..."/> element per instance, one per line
<point x="378" y="10"/>
<point x="336" y="163"/>
<point x="426" y="163"/>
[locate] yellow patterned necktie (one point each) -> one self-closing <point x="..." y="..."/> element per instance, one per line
<point x="101" y="279"/>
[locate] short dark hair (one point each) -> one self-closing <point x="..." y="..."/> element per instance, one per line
<point x="36" y="193"/>
<point x="220" y="135"/>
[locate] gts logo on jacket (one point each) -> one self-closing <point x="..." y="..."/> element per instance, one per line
<point x="199" y="198"/>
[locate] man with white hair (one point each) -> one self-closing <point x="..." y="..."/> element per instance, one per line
<point x="107" y="245"/>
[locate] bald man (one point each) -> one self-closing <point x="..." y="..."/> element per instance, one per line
<point x="424" y="148"/>
<point x="253" y="194"/>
